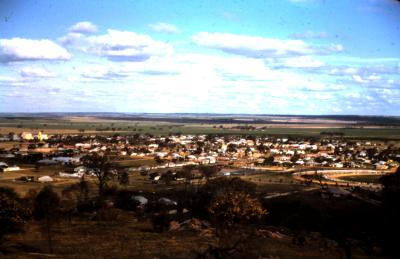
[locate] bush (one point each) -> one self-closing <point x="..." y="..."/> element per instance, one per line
<point x="231" y="208"/>
<point x="199" y="202"/>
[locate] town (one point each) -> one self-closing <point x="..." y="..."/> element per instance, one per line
<point x="174" y="184"/>
<point x="180" y="150"/>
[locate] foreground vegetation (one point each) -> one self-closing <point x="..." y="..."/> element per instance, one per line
<point x="221" y="218"/>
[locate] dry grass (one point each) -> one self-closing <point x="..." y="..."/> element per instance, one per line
<point x="125" y="237"/>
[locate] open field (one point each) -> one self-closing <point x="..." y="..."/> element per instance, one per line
<point x="99" y="125"/>
<point x="362" y="178"/>
<point x="266" y="182"/>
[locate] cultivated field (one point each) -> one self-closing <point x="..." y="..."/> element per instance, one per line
<point x="93" y="125"/>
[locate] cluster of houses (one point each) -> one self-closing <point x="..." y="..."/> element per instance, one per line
<point x="179" y="150"/>
<point x="40" y="136"/>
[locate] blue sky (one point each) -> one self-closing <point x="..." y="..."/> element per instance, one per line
<point x="269" y="57"/>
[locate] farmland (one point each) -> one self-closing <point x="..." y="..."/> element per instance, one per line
<point x="188" y="125"/>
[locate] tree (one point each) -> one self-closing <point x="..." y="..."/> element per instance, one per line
<point x="232" y="208"/>
<point x="319" y="177"/>
<point x="295" y="157"/>
<point x="158" y="160"/>
<point x="46" y="207"/>
<point x="79" y="190"/>
<point x="100" y="165"/>
<point x="13" y="213"/>
<point x="232" y="148"/>
<point x="262" y="148"/>
<point x="123" y="178"/>
<point x="269" y="160"/>
<point x="200" y="201"/>
<point x="187" y="172"/>
<point x="234" y="214"/>
<point x="167" y="177"/>
<point x="209" y="171"/>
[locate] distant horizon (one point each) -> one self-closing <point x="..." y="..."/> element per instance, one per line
<point x="200" y="113"/>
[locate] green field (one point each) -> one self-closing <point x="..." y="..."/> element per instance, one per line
<point x="93" y="125"/>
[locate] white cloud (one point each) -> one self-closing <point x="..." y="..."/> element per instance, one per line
<point x="71" y="38"/>
<point x="373" y="77"/>
<point x="359" y="79"/>
<point x="126" y="46"/>
<point x="302" y="62"/>
<point x="102" y="72"/>
<point x="260" y="47"/>
<point x="19" y="49"/>
<point x="35" y="72"/>
<point x="84" y="27"/>
<point x="343" y="71"/>
<point x="322" y="96"/>
<point x="164" y="28"/>
<point x="315" y="86"/>
<point x="252" y="46"/>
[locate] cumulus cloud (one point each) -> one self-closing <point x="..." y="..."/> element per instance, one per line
<point x="260" y="47"/>
<point x="164" y="28"/>
<point x="35" y="72"/>
<point x="19" y="49"/>
<point x="126" y="46"/>
<point x="72" y="38"/>
<point x="84" y="27"/>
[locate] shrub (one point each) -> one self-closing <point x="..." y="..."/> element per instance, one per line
<point x="231" y="208"/>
